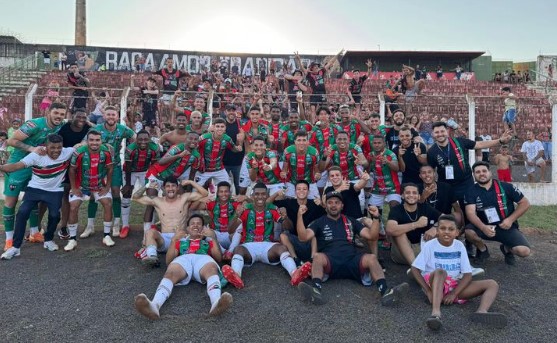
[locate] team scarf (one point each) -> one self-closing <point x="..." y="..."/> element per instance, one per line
<point x="459" y="153"/>
<point x="347" y="228"/>
<point x="501" y="199"/>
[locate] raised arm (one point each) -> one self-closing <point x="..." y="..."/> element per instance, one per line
<point x="305" y="235"/>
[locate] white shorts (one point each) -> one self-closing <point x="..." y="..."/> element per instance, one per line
<point x="379" y="200"/>
<point x="167" y="238"/>
<point x="291" y="191"/>
<point x="223" y="238"/>
<point x="136" y="177"/>
<point x="165" y="98"/>
<point x="95" y="195"/>
<point x="192" y="264"/>
<point x="323" y="180"/>
<point x="259" y="252"/>
<point x="217" y="176"/>
<point x="244" y="181"/>
<point x="532" y="169"/>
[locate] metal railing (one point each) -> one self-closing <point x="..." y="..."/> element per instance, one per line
<point x="11" y="72"/>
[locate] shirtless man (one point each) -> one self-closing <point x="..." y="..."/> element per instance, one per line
<point x="178" y="135"/>
<point x="504" y="161"/>
<point x="410" y="87"/>
<point x="172" y="210"/>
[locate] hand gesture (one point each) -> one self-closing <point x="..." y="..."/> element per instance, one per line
<point x="489" y="230"/>
<point x="303" y="209"/>
<point x="266" y="167"/>
<point x="369" y="63"/>
<point x="328" y="151"/>
<point x="417" y="150"/>
<point x="422" y="222"/>
<point x="317" y="201"/>
<point x="39" y="150"/>
<point x="317" y="176"/>
<point x="373" y="210"/>
<point x="240" y="209"/>
<point x="207" y="232"/>
<point x="185" y="183"/>
<point x="283" y="213"/>
<point x="104" y="190"/>
<point x="283" y="175"/>
<point x="360" y="140"/>
<point x="506" y="136"/>
<point x="365" y="176"/>
<point x="77" y="192"/>
<point x="344" y="186"/>
<point x="429" y="190"/>
<point x="505" y="224"/>
<point x="430" y="234"/>
<point x="254" y="164"/>
<point x="401" y="152"/>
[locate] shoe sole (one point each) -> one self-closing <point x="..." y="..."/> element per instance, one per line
<point x="434" y="323"/>
<point x="150" y="262"/>
<point x="231" y="276"/>
<point x="83" y="235"/>
<point x="47" y="248"/>
<point x="495" y="319"/>
<point x="124" y="234"/>
<point x="301" y="274"/>
<point x="309" y="295"/>
<point x="398" y="292"/>
<point x="143" y="306"/>
<point x="8" y="258"/>
<point x="222" y="305"/>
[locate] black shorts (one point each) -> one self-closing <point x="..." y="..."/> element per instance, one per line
<point x="345" y="267"/>
<point x="318" y="98"/>
<point x="149" y="120"/>
<point x="357" y="98"/>
<point x="302" y="249"/>
<point x="510" y="238"/>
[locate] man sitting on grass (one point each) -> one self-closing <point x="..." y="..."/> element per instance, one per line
<point x="443" y="271"/>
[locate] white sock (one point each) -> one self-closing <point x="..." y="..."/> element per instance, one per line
<point x="72" y="228"/>
<point x="146" y="227"/>
<point x="287" y="262"/>
<point x="116" y="221"/>
<point x="163" y="292"/>
<point x="33" y="230"/>
<point x="9" y="235"/>
<point x="213" y="288"/>
<point x="90" y="221"/>
<point x="126" y="209"/>
<point x="237" y="264"/>
<point x="236" y="237"/>
<point x="107" y="227"/>
<point x="151" y="250"/>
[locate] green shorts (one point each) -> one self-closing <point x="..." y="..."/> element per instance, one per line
<point x="16" y="182"/>
<point x="117" y="179"/>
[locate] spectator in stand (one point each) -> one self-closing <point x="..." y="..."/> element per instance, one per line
<point x="485" y="152"/>
<point x="417" y="73"/>
<point x="426" y="125"/>
<point x="532" y="151"/>
<point x="439" y="72"/>
<point x="4" y="154"/>
<point x="356" y="84"/>
<point x="63" y="60"/>
<point x="170" y="77"/>
<point x="52" y="95"/>
<point x="80" y="85"/>
<point x="16" y="123"/>
<point x="101" y="101"/>
<point x="458" y="71"/>
<point x="504" y="161"/>
<point x="46" y="59"/>
<point x="409" y="86"/>
<point x="509" y="117"/>
<point x="149" y="101"/>
<point x="545" y="138"/>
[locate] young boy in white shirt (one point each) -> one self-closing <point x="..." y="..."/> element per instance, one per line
<point x="443" y="271"/>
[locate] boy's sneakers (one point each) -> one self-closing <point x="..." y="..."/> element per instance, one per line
<point x="37" y="237"/>
<point x="221" y="305"/>
<point x="125" y="231"/>
<point x="477" y="271"/>
<point x="394" y="294"/>
<point x="509" y="256"/>
<point x="89" y="230"/>
<point x="151" y="261"/>
<point x="10" y="253"/>
<point x="72" y="244"/>
<point x="63" y="233"/>
<point x="116" y="230"/>
<point x="108" y="241"/>
<point x="144" y="306"/>
<point x="9" y="243"/>
<point x="311" y="294"/>
<point x="482" y="256"/>
<point x="50" y="246"/>
<point x="231" y="276"/>
<point x="300" y="274"/>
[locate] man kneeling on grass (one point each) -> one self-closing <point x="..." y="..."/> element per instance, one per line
<point x="192" y="254"/>
<point x="443" y="271"/>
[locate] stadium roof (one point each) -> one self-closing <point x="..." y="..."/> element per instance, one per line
<point x="415" y="54"/>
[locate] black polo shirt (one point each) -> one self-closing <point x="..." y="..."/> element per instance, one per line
<point x="412" y="171"/>
<point x="401" y="216"/>
<point x="486" y="200"/>
<point x="440" y="157"/>
<point x="291" y="205"/>
<point x="331" y="235"/>
<point x="443" y="199"/>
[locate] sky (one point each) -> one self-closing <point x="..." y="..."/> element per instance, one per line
<point x="507" y="30"/>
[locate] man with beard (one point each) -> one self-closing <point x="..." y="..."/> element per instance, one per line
<point x="192" y="254"/>
<point x="450" y="157"/>
<point x="391" y="137"/>
<point x="181" y="162"/>
<point x="149" y="97"/>
<point x="91" y="171"/>
<point x="490" y="208"/>
<point x="233" y="160"/>
<point x="257" y="244"/>
<point x="221" y="212"/>
<point x="212" y="146"/>
<point x="113" y="134"/>
<point x="410" y="87"/>
<point x="301" y="163"/>
<point x="375" y="129"/>
<point x="356" y="84"/>
<point x="411" y="155"/>
<point x="439" y="195"/>
<point x="262" y="165"/>
<point x="139" y="156"/>
<point x="45" y="186"/>
<point x="198" y="105"/>
<point x="30" y="137"/>
<point x="351" y="124"/>
<point x="409" y="223"/>
<point x="300" y="251"/>
<point x="72" y="133"/>
<point x="178" y="135"/>
<point x="337" y="257"/>
<point x="172" y="210"/>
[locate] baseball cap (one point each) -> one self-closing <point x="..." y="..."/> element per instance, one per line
<point x="230" y="107"/>
<point x="333" y="194"/>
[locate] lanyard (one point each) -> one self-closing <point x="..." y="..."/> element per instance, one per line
<point x="501" y="198"/>
<point x="458" y="152"/>
<point x="347" y="228"/>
